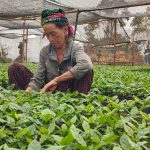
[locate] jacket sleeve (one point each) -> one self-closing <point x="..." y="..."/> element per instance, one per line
<point x="82" y="60"/>
<point x="38" y="80"/>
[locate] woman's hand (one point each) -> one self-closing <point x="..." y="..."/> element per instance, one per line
<point x="53" y="83"/>
<point x="49" y="86"/>
<point x="29" y="90"/>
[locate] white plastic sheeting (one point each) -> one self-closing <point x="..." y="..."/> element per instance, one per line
<point x="34" y="47"/>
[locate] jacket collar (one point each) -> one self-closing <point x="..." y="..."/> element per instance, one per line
<point x="67" y="53"/>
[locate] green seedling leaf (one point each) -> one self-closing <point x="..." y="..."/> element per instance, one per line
<point x="8" y="148"/>
<point x="51" y="147"/>
<point x="22" y="132"/>
<point x="86" y="127"/>
<point x="67" y="139"/>
<point x="134" y="111"/>
<point x="126" y="142"/>
<point x="44" y="130"/>
<point x="57" y="138"/>
<point x="47" y="114"/>
<point x="143" y="132"/>
<point x="34" y="145"/>
<point x="75" y="133"/>
<point x="51" y="127"/>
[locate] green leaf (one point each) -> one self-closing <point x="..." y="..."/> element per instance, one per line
<point x="34" y="145"/>
<point x="86" y="127"/>
<point x="14" y="106"/>
<point x="29" y="140"/>
<point x="1" y="147"/>
<point x="143" y="132"/>
<point x="141" y="145"/>
<point x="95" y="139"/>
<point x="2" y="121"/>
<point x="89" y="107"/>
<point x="117" y="148"/>
<point x="108" y="138"/>
<point x="64" y="127"/>
<point x="10" y="120"/>
<point x="126" y="142"/>
<point x="73" y="120"/>
<point x="8" y="148"/>
<point x="44" y="130"/>
<point x="100" y="97"/>
<point x="16" y="116"/>
<point x="22" y="132"/>
<point x="67" y="139"/>
<point x="75" y="133"/>
<point x="93" y="118"/>
<point x="134" y="111"/>
<point x="128" y="130"/>
<point x="26" y="107"/>
<point x="47" y="114"/>
<point x="51" y="147"/>
<point x="2" y="132"/>
<point x="80" y="147"/>
<point x="57" y="138"/>
<point x="51" y="127"/>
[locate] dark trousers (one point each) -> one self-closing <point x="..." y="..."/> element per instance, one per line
<point x="20" y="76"/>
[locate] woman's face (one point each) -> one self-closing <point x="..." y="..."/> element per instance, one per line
<point x="55" y="35"/>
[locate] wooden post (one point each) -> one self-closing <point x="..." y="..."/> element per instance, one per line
<point x="26" y="45"/>
<point x="132" y="49"/>
<point x="114" y="37"/>
<point x="23" y="42"/>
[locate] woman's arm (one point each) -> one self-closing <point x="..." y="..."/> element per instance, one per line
<point x="83" y="62"/>
<point x="53" y="83"/>
<point x="38" y="80"/>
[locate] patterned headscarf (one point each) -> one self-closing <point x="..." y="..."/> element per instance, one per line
<point x="56" y="15"/>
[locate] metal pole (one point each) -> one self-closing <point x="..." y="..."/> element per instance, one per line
<point x="76" y="24"/>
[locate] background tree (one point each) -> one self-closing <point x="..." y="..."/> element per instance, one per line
<point x="141" y="25"/>
<point x="100" y="34"/>
<point x="141" y="31"/>
<point x="4" y="54"/>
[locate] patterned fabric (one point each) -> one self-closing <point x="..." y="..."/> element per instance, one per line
<point x="82" y="85"/>
<point x="20" y="76"/>
<point x="56" y="15"/>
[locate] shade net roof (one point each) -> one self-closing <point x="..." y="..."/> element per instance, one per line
<point x="11" y="12"/>
<point x="19" y="8"/>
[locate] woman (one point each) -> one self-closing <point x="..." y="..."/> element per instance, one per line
<point x="63" y="64"/>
